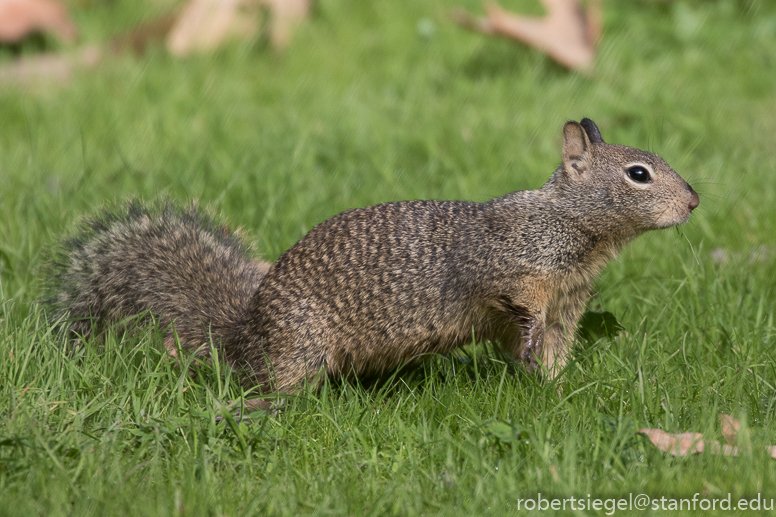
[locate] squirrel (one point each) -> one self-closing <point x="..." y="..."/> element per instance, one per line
<point x="374" y="288"/>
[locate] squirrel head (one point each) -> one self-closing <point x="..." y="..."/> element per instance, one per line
<point x="625" y="185"/>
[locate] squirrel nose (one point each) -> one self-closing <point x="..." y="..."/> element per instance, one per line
<point x="693" y="204"/>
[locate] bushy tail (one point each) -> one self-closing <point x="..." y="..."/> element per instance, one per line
<point x="175" y="264"/>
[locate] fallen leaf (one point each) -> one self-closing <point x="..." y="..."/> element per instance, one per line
<point x="48" y="66"/>
<point x="730" y="427"/>
<point x="714" y="447"/>
<point x="567" y="34"/>
<point x="20" y="18"/>
<point x="554" y="473"/>
<point x="141" y="36"/>
<point x="203" y="25"/>
<point x="286" y="15"/>
<point x="677" y="444"/>
<point x="687" y="443"/>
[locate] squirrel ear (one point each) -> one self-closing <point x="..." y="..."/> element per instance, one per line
<point x="592" y="131"/>
<point x="576" y="148"/>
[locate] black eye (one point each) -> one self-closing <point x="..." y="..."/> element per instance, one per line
<point x="638" y="174"/>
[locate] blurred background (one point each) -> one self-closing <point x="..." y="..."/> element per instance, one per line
<point x="360" y="103"/>
<point x="278" y="114"/>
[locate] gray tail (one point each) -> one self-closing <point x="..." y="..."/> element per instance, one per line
<point x="176" y="264"/>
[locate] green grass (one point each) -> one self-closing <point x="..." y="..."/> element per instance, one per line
<point x="364" y="108"/>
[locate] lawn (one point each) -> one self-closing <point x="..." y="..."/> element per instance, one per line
<point x="376" y="102"/>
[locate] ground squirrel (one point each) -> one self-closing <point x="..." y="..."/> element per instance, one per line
<point x="374" y="288"/>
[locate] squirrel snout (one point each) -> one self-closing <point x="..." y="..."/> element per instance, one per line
<point x="694" y="200"/>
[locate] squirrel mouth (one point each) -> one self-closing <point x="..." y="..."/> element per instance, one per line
<point x="669" y="220"/>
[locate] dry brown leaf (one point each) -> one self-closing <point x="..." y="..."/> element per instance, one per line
<point x="686" y="443"/>
<point x="20" y="18"/>
<point x="677" y="444"/>
<point x="141" y="36"/>
<point x="203" y="25"/>
<point x="57" y="66"/>
<point x="554" y="473"/>
<point x="286" y="15"/>
<point x="566" y="34"/>
<point x="714" y="447"/>
<point x="730" y="427"/>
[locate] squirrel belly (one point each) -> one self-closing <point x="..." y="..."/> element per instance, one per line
<point x="374" y="288"/>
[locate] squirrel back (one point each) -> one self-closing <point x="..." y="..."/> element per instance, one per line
<point x="374" y="288"/>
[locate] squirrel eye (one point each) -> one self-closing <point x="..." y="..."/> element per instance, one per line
<point x="638" y="174"/>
